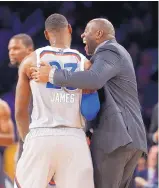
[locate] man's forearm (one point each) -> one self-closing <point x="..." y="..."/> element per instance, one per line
<point x="82" y="79"/>
<point x="104" y="67"/>
<point x="22" y="121"/>
<point x="6" y="139"/>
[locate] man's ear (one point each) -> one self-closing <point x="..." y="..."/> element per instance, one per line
<point x="46" y="35"/>
<point x="99" y="34"/>
<point x="30" y="50"/>
<point x="69" y="28"/>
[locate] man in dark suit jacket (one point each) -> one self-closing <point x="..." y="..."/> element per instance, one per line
<point x="119" y="137"/>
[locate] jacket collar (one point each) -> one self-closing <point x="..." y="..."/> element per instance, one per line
<point x="101" y="44"/>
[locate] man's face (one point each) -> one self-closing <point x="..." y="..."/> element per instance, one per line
<point x="89" y="38"/>
<point x="17" y="51"/>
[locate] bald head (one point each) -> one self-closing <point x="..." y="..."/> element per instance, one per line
<point x="97" y="31"/>
<point x="105" y="25"/>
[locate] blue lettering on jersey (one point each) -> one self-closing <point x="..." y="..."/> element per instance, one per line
<point x="67" y="66"/>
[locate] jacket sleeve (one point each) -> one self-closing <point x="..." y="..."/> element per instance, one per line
<point x="105" y="66"/>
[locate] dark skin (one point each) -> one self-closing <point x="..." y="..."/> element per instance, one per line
<point x="23" y="96"/>
<point x="96" y="32"/>
<point x="6" y="125"/>
<point x="59" y="39"/>
<point x="18" y="51"/>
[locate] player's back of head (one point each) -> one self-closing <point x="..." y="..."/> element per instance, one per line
<point x="56" y="22"/>
<point x="58" y="31"/>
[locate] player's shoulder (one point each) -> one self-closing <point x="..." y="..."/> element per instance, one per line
<point x="75" y="51"/>
<point x="28" y="62"/>
<point x="46" y="50"/>
<point x="4" y="107"/>
<point x="72" y="50"/>
<point x="43" y="48"/>
<point x="2" y="103"/>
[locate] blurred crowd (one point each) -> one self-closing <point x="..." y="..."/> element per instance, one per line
<point x="136" y="25"/>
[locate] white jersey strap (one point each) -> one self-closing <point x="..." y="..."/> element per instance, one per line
<point x="83" y="59"/>
<point x="38" y="57"/>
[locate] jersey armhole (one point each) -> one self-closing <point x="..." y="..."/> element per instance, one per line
<point x="83" y="59"/>
<point x="37" y="58"/>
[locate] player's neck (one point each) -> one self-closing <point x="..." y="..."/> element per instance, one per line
<point x="60" y="45"/>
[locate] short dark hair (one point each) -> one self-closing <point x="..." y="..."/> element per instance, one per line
<point x="56" y="22"/>
<point x="26" y="39"/>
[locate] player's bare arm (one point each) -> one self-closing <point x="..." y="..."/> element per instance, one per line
<point x="6" y="125"/>
<point x="23" y="96"/>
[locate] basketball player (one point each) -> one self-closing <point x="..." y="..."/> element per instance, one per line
<point x="6" y="134"/>
<point x="6" y="125"/>
<point x="56" y="144"/>
<point x="20" y="46"/>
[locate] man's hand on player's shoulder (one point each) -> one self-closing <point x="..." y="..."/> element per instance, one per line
<point x="41" y="74"/>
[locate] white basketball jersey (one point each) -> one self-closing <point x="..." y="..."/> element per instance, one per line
<point x="53" y="105"/>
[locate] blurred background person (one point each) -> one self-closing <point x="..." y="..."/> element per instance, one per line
<point x="148" y="178"/>
<point x="20" y="46"/>
<point x="6" y="134"/>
